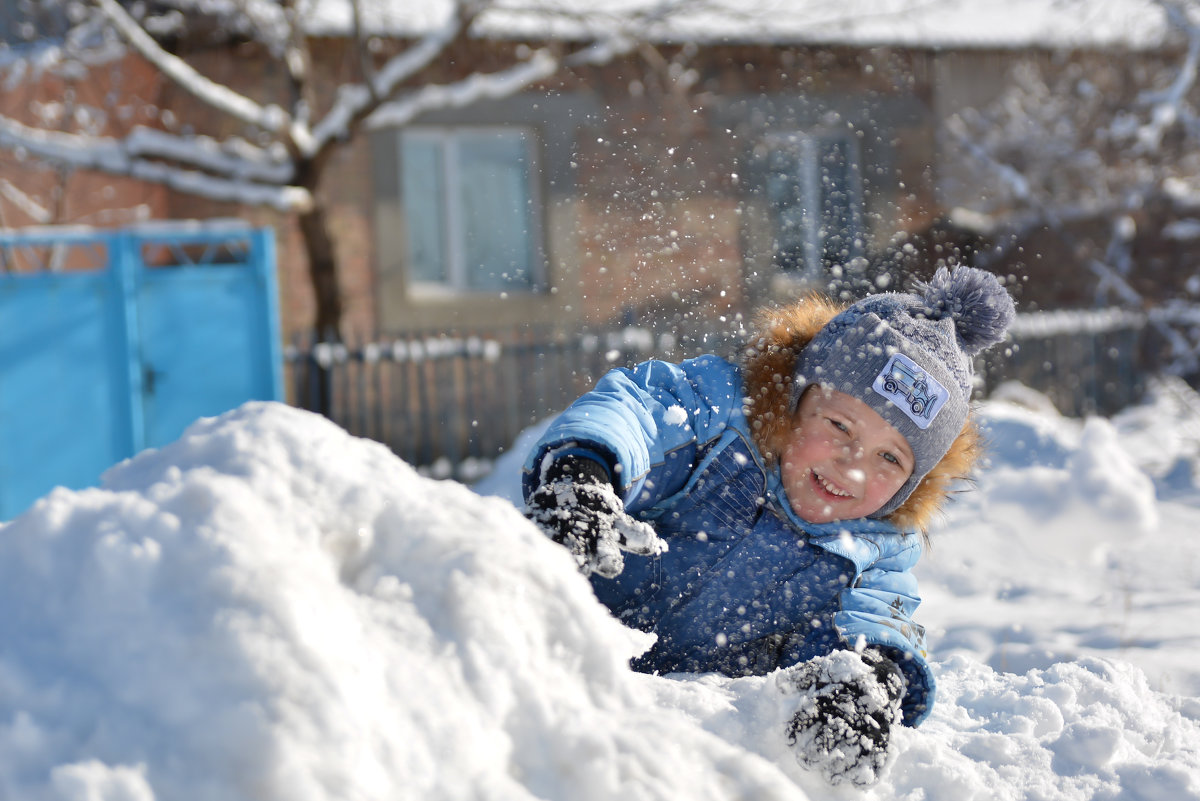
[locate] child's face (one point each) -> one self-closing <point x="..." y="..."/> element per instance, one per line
<point x="843" y="460"/>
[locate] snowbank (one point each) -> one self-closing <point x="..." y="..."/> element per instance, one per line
<point x="271" y="609"/>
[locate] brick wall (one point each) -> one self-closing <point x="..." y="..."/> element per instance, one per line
<point x="32" y="193"/>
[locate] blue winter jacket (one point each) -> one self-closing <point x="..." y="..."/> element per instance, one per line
<point x="746" y="586"/>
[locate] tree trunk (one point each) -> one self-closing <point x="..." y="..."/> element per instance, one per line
<point x="323" y="273"/>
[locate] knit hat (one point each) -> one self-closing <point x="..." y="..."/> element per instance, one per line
<point x="909" y="357"/>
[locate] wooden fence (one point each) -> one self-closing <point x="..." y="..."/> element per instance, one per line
<point x="1086" y="362"/>
<point x="452" y="404"/>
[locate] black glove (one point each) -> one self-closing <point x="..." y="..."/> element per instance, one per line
<point x="848" y="705"/>
<point x="578" y="508"/>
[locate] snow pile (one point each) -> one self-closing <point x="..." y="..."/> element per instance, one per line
<point x="1090" y="729"/>
<point x="1080" y="538"/>
<point x="271" y="609"/>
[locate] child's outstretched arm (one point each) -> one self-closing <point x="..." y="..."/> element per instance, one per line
<point x="877" y="612"/>
<point x="645" y="424"/>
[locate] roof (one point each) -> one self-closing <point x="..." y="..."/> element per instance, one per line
<point x="1005" y="24"/>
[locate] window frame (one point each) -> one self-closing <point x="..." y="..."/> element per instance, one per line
<point x="809" y="145"/>
<point x="456" y="283"/>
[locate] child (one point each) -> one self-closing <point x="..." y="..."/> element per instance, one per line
<point x="767" y="515"/>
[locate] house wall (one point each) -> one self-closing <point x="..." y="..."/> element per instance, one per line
<point x="650" y="187"/>
<point x="32" y="193"/>
<point x="653" y="198"/>
<point x="653" y="210"/>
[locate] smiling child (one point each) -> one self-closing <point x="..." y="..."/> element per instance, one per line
<point x="767" y="514"/>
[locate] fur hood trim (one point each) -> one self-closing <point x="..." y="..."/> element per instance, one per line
<point x="767" y="368"/>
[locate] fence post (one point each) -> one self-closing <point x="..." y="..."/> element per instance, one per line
<point x="262" y="249"/>
<point x="125" y="263"/>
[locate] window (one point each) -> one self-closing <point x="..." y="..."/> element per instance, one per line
<point x="470" y="207"/>
<point x="28" y="21"/>
<point x="814" y="192"/>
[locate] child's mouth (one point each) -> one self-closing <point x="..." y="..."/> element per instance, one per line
<point x="828" y="487"/>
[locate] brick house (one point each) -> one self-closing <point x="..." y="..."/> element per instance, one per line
<point x="621" y="205"/>
<point x="790" y="161"/>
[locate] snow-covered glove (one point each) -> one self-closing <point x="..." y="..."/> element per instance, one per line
<point x="578" y="508"/>
<point x="848" y="705"/>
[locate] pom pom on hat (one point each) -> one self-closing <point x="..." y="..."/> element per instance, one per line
<point x="980" y="307"/>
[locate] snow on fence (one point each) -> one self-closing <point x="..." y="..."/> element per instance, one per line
<point x="1085" y="361"/>
<point x="451" y="404"/>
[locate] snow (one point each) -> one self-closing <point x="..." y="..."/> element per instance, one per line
<point x="271" y="609"/>
<point x="929" y="23"/>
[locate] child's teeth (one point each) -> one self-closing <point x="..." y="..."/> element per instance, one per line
<point x="830" y="488"/>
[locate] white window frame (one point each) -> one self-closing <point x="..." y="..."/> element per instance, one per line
<point x="809" y="145"/>
<point x="457" y="272"/>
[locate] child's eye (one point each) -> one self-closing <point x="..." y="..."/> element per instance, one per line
<point x="891" y="457"/>
<point x="840" y="426"/>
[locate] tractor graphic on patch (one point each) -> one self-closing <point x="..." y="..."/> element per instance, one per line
<point x="913" y="390"/>
<point x="903" y="381"/>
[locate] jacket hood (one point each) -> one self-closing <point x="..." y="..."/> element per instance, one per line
<point x="768" y="367"/>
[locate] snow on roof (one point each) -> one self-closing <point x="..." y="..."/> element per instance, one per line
<point x="917" y="23"/>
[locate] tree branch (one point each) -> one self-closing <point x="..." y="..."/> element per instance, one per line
<point x="128" y="158"/>
<point x="1169" y="105"/>
<point x="270" y="118"/>
<point x="358" y="101"/>
<point x="540" y="65"/>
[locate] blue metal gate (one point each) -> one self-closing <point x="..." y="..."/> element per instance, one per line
<point x="115" y="341"/>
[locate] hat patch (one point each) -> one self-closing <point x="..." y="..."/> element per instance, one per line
<point x="914" y="391"/>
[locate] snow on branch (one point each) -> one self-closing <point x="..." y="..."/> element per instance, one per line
<point x="540" y="65"/>
<point x="355" y="100"/>
<point x="1016" y="182"/>
<point x="602" y="51"/>
<point x="270" y="118"/>
<point x="120" y="157"/>
<point x="233" y="157"/>
<point x="32" y="209"/>
<point x="1169" y="104"/>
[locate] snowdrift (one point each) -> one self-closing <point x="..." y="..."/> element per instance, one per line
<point x="270" y="609"/>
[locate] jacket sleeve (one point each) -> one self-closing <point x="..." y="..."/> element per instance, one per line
<point x="646" y="424"/>
<point x="877" y="611"/>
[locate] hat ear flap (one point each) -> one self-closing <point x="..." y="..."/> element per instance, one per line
<point x="919" y="509"/>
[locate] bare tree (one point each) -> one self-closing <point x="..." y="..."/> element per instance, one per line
<point x="1073" y="137"/>
<point x="1102" y="151"/>
<point x="285" y="140"/>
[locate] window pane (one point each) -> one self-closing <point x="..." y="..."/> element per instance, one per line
<point x="494" y="175"/>
<point x="839" y="235"/>
<point x="785" y="191"/>
<point x="424" y="193"/>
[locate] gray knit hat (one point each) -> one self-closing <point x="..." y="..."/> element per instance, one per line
<point x="909" y="357"/>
